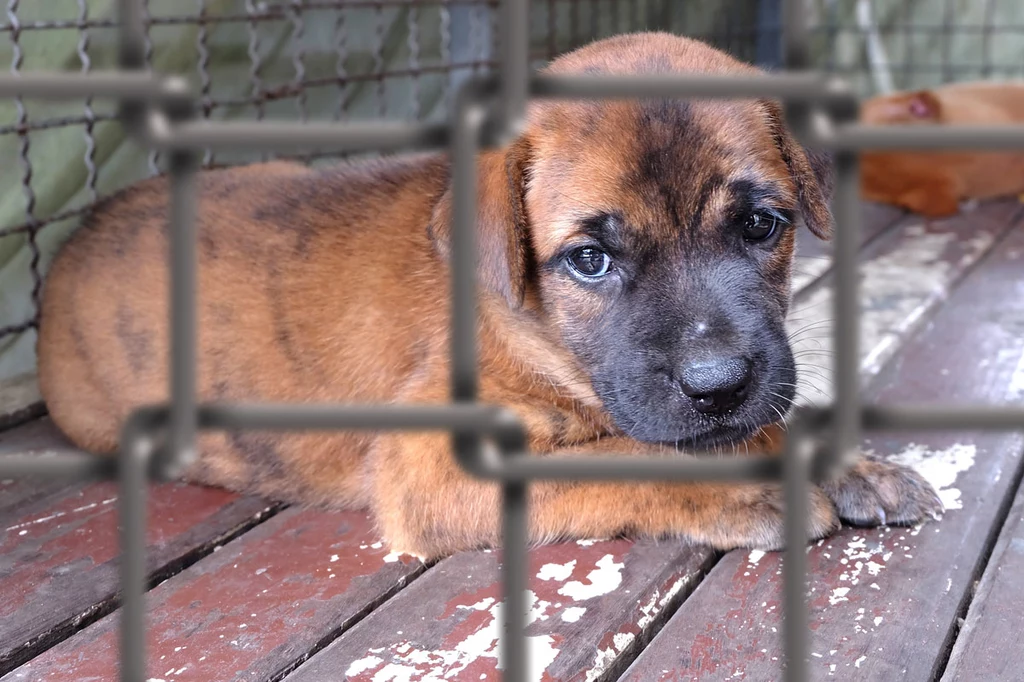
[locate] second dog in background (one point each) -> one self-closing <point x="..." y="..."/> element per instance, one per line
<point x="934" y="184"/>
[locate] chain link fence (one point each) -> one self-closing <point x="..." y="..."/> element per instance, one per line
<point x="323" y="60"/>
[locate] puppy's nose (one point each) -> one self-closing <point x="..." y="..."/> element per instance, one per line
<point x="716" y="385"/>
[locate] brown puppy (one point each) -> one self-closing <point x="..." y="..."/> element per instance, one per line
<point x="934" y="183"/>
<point x="636" y="263"/>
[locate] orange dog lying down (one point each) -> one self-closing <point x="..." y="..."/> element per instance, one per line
<point x="934" y="183"/>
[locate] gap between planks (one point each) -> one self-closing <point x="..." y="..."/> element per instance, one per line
<point x="982" y="644"/>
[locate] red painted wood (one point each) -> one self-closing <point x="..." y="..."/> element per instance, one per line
<point x="252" y="609"/>
<point x="883" y="602"/>
<point x="59" y="548"/>
<point x="988" y="647"/>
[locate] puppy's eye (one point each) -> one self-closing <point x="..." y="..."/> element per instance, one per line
<point x="759" y="226"/>
<point x="589" y="262"/>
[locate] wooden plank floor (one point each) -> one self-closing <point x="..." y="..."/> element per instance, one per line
<point x="243" y="589"/>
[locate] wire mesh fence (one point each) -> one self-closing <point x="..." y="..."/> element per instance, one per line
<point x="323" y="60"/>
<point x="416" y="119"/>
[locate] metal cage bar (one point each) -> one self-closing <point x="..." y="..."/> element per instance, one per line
<point x="487" y="440"/>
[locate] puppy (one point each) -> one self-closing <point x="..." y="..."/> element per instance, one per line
<point x="635" y="261"/>
<point x="934" y="183"/>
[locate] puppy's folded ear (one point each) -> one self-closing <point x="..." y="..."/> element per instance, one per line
<point x="813" y="173"/>
<point x="923" y="104"/>
<point x="501" y="222"/>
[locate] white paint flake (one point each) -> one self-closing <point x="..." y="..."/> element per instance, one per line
<point x="755" y="556"/>
<point x="860" y="660"/>
<point x="405" y="662"/>
<point x="559" y="572"/>
<point x="838" y="595"/>
<point x="605" y="657"/>
<point x="658" y="602"/>
<point x="940" y="468"/>
<point x="573" y="614"/>
<point x="602" y="580"/>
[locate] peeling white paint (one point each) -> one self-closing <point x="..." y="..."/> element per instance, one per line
<point x="940" y="468"/>
<point x="605" y="657"/>
<point x="557" y="572"/>
<point x="603" y="579"/>
<point x="406" y="662"/>
<point x="363" y="665"/>
<point x="755" y="556"/>
<point x="838" y="595"/>
<point x="657" y="603"/>
<point x="538" y="608"/>
<point x="573" y="614"/>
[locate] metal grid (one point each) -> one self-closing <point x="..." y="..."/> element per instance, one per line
<point x="325" y="53"/>
<point x="487" y="440"/>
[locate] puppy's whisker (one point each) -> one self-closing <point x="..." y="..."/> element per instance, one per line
<point x="812" y="325"/>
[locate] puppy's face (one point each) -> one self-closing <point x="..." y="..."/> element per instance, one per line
<point x="663" y="234"/>
<point x="656" y="238"/>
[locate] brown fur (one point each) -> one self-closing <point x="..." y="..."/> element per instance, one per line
<point x="934" y="183"/>
<point x="334" y="286"/>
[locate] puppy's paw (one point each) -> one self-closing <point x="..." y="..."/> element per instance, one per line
<point x="758" y="521"/>
<point x="875" y="492"/>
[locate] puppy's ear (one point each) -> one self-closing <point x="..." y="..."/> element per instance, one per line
<point x="924" y="105"/>
<point x="813" y="173"/>
<point x="902" y="108"/>
<point x="502" y="233"/>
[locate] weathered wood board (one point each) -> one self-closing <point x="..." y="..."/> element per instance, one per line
<point x="906" y="273"/>
<point x="883" y="602"/>
<point x="814" y="256"/>
<point x="20" y="400"/>
<point x="59" y="546"/>
<point x="251" y="610"/>
<point x="37" y="436"/>
<point x="989" y="644"/>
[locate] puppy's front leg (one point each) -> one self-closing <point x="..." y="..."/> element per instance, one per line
<point x="426" y="505"/>
<point x="872" y="491"/>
